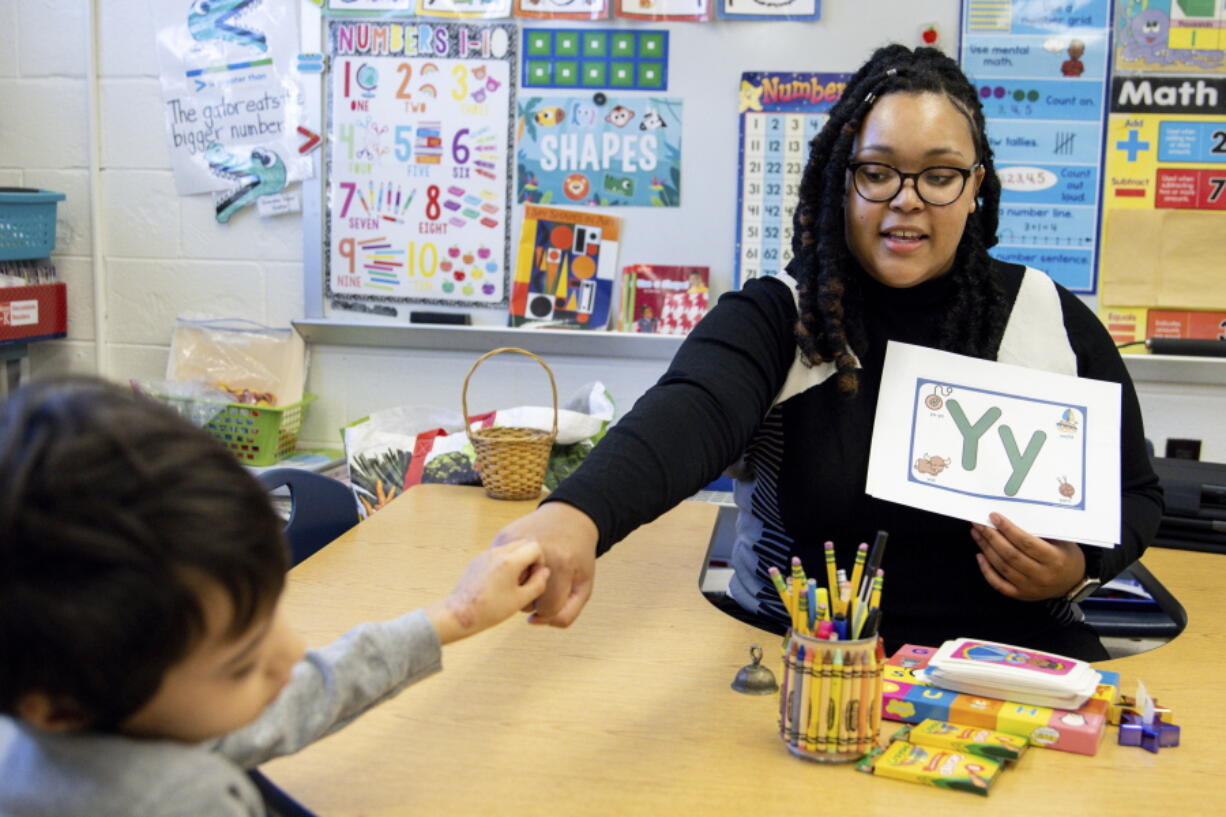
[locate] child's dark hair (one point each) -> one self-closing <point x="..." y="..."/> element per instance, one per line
<point x="830" y="299"/>
<point x="113" y="512"/>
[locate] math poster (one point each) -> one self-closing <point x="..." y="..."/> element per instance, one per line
<point x="624" y="152"/>
<point x="967" y="437"/>
<point x="231" y="102"/>
<point x="780" y="113"/>
<point x="565" y="270"/>
<point x="419" y="117"/>
<point x="1041" y="72"/>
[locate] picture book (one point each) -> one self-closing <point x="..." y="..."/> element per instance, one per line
<point x="663" y="300"/>
<point x="564" y="271"/>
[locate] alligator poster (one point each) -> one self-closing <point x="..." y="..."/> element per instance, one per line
<point x="417" y="185"/>
<point x="231" y="102"/>
<point x="599" y="150"/>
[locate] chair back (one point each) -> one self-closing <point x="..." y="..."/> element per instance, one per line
<point x="321" y="509"/>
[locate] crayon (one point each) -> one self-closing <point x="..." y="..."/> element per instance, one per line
<point x="867" y="685"/>
<point x="832" y="705"/>
<point x="785" y="693"/>
<point x="850" y="705"/>
<point x="823" y="701"/>
<point x="798" y="699"/>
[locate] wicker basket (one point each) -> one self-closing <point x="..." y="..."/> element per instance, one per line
<point x="512" y="460"/>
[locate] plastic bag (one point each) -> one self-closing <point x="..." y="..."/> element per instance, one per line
<point x="395" y="449"/>
<point x="194" y="400"/>
<point x="255" y="364"/>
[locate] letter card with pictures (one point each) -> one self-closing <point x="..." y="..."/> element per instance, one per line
<point x="780" y="114"/>
<point x="418" y="184"/>
<point x="967" y="437"/>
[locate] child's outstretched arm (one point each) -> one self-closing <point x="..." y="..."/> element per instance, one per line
<point x="374" y="661"/>
<point x="499" y="582"/>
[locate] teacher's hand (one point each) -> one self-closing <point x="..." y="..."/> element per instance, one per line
<point x="567" y="537"/>
<point x="1025" y="567"/>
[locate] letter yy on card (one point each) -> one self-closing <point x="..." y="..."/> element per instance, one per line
<point x="966" y="437"/>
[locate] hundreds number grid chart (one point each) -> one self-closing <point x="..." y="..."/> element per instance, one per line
<point x="773" y="160"/>
<point x="780" y="113"/>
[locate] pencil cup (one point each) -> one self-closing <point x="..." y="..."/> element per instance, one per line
<point x="830" y="698"/>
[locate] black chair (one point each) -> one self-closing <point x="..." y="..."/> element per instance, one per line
<point x="321" y="509"/>
<point x="1162" y="618"/>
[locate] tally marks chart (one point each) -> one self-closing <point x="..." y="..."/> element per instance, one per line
<point x="418" y="190"/>
<point x="780" y="114"/>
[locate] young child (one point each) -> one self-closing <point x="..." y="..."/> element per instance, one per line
<point x="144" y="659"/>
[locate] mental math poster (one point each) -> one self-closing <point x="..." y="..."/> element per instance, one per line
<point x="623" y="152"/>
<point x="780" y="113"/>
<point x="232" y="104"/>
<point x="1041" y="73"/>
<point x="418" y="189"/>
<point x="966" y="437"/>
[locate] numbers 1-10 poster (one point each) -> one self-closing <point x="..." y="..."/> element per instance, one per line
<point x="420" y="123"/>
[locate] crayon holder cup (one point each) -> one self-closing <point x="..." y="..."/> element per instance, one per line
<point x="830" y="698"/>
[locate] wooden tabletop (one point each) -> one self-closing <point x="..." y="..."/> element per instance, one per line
<point x="629" y="711"/>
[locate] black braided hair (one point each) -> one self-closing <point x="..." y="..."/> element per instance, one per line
<point x="830" y="324"/>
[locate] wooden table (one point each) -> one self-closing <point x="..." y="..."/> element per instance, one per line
<point x="629" y="711"/>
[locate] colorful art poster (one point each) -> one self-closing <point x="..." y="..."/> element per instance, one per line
<point x="487" y="9"/>
<point x="562" y="9"/>
<point x="1170" y="36"/>
<point x="663" y="9"/>
<point x="232" y="105"/>
<point x="966" y="437"/>
<point x="780" y="113"/>
<point x="769" y="9"/>
<point x="625" y="152"/>
<point x="418" y="186"/>
<point x="1041" y="73"/>
<point x="565" y="269"/>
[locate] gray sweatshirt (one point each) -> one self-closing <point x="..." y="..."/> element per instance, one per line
<point x="44" y="774"/>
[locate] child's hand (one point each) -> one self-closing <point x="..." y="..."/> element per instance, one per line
<point x="499" y="582"/>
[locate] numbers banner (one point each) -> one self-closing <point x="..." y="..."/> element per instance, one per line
<point x="418" y="189"/>
<point x="780" y="114"/>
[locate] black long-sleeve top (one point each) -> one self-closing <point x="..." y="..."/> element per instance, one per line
<point x="808" y="454"/>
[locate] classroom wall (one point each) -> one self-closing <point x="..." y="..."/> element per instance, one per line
<point x="161" y="254"/>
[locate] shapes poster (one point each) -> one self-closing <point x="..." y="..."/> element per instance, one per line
<point x="966" y="437"/>
<point x="1041" y="73"/>
<point x="562" y="9"/>
<point x="769" y="9"/>
<point x="565" y="269"/>
<point x="626" y="151"/>
<point x="1170" y="36"/>
<point x="418" y="189"/>
<point x="780" y="113"/>
<point x="663" y="9"/>
<point x="232" y="104"/>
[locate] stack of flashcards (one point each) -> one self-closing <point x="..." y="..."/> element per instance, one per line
<point x="1013" y="673"/>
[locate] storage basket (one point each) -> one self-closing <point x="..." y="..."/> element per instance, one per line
<point x="511" y="460"/>
<point x="27" y="222"/>
<point x="258" y="435"/>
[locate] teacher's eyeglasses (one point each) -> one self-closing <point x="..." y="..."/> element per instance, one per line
<point x="937" y="186"/>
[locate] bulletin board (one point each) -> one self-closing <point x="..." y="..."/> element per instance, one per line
<point x="705" y="64"/>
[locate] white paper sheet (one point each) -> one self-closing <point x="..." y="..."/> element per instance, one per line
<point x="966" y="437"/>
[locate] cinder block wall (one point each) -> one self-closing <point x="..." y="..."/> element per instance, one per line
<point x="164" y="254"/>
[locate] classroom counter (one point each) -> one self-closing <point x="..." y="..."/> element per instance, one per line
<point x="629" y="711"/>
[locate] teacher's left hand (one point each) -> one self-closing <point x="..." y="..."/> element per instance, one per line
<point x="1025" y="567"/>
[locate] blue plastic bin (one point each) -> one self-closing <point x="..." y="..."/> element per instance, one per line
<point x="27" y="222"/>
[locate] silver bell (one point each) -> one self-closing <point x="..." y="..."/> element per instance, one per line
<point x="755" y="679"/>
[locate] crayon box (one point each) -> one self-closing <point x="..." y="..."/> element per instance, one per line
<point x="909" y="699"/>
<point x="932" y="766"/>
